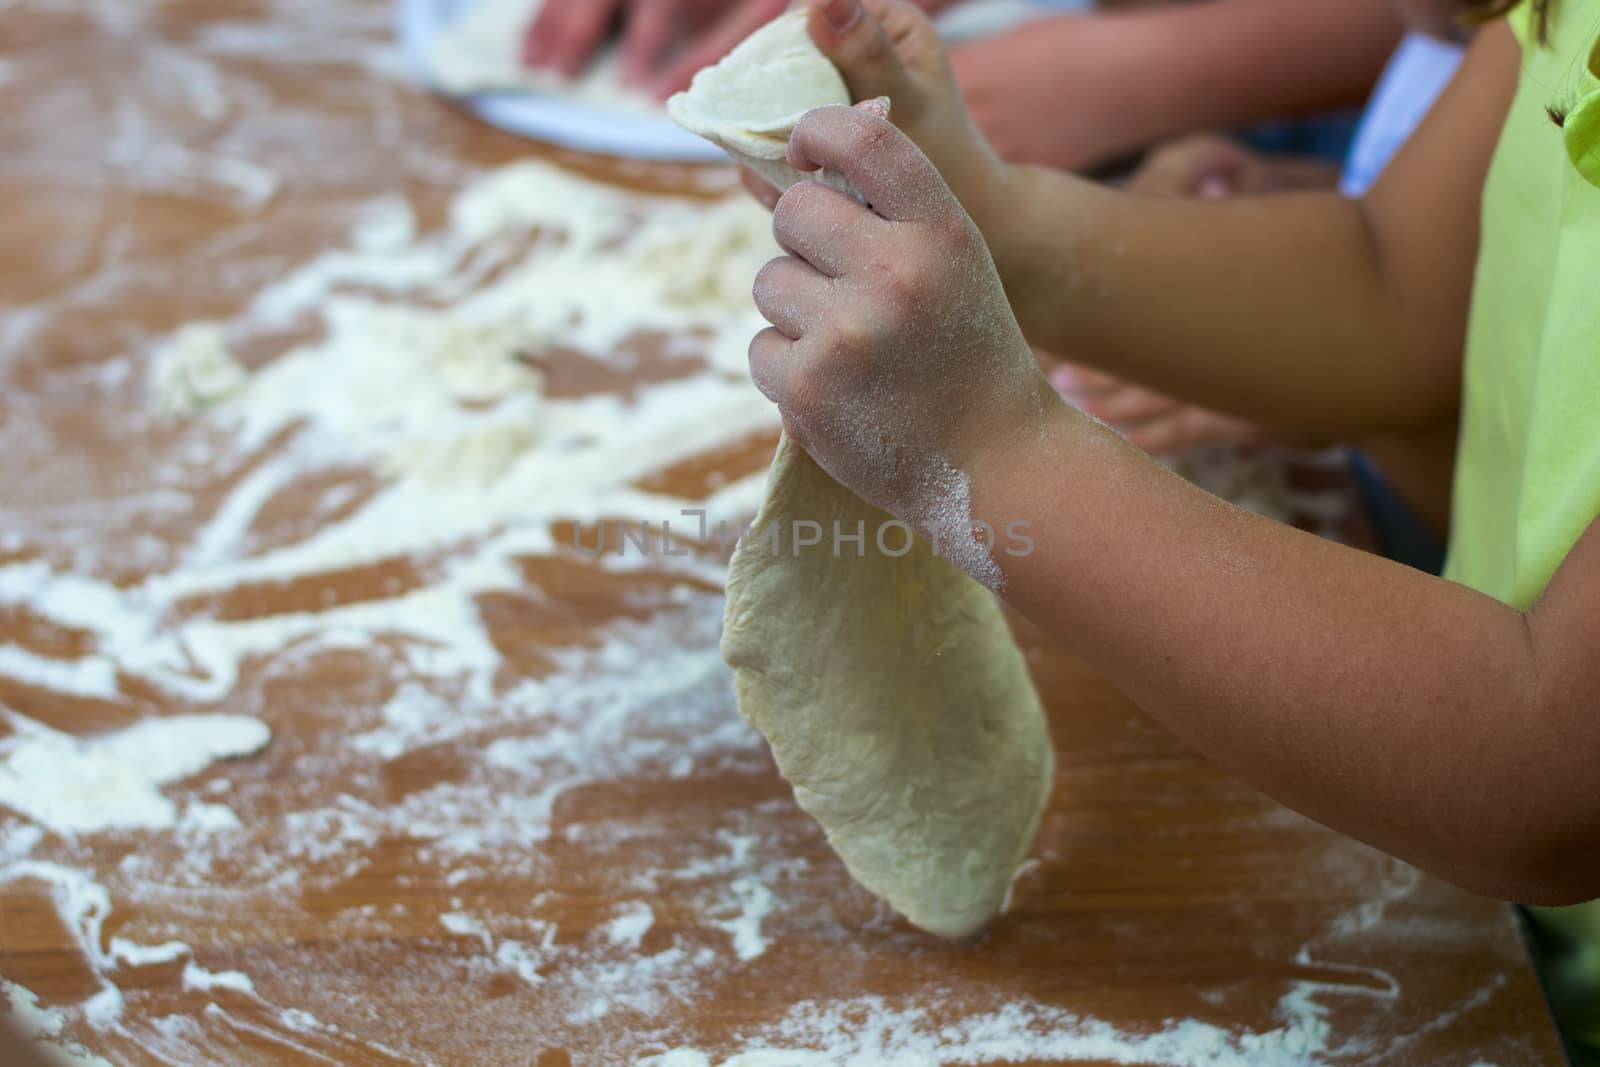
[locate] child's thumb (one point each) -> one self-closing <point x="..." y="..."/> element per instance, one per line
<point x="878" y="105"/>
<point x="860" y="46"/>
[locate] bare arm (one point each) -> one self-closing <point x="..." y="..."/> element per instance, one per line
<point x="1410" y="712"/>
<point x="1304" y="310"/>
<point x="1413" y="713"/>
<point x="1079" y="90"/>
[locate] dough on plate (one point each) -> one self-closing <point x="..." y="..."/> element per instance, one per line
<point x="893" y="696"/>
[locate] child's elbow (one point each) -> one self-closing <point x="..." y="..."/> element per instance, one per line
<point x="1557" y="893"/>
<point x="1556" y="869"/>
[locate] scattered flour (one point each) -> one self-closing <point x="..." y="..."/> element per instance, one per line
<point x="872" y="1032"/>
<point x="195" y="371"/>
<point x="41" y="1026"/>
<point x="435" y="360"/>
<point x="628" y="929"/>
<point x="136" y="955"/>
<point x="110" y="782"/>
<point x="755" y="902"/>
<point x="197" y="979"/>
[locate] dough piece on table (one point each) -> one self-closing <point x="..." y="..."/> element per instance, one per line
<point x="893" y="696"/>
<point x="749" y="103"/>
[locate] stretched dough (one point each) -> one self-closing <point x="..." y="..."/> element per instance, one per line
<point x="893" y="696"/>
<point x="884" y="678"/>
<point x="750" y="102"/>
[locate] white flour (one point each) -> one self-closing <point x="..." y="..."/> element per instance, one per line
<point x="754" y="902"/>
<point x="195" y="371"/>
<point x="197" y="979"/>
<point x="41" y="1027"/>
<point x="628" y="929"/>
<point x="435" y="360"/>
<point x="109" y="782"/>
<point x="870" y="1032"/>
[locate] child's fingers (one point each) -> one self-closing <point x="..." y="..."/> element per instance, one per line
<point x="878" y="105"/>
<point x="1189" y="427"/>
<point x="861" y="47"/>
<point x="811" y="221"/>
<point x="646" y="37"/>
<point x="758" y="187"/>
<point x="1132" y="404"/>
<point x="1076" y="381"/>
<point x="772" y="362"/>
<point x="1203" y="164"/>
<point x="542" y="31"/>
<point x="574" y="40"/>
<point x="790" y="295"/>
<point x="739" y="23"/>
<point x="896" y="179"/>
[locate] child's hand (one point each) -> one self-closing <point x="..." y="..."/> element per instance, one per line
<point x="893" y="356"/>
<point x="1207" y="166"/>
<point x="1155" y="422"/>
<point x="889" y="48"/>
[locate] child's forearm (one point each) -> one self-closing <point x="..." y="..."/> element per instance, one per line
<point x="1305" y="310"/>
<point x="1076" y="91"/>
<point x="1415" y="714"/>
<point x="1229" y="63"/>
<point x="1272" y="308"/>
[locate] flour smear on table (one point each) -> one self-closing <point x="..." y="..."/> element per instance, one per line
<point x="431" y="368"/>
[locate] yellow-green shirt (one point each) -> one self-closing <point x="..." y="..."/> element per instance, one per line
<point x="1527" y="478"/>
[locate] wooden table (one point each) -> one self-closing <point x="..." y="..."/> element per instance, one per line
<point x="161" y="162"/>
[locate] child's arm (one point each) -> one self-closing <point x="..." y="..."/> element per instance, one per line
<point x="1308" y="310"/>
<point x="1413" y="713"/>
<point x="1079" y="90"/>
<point x="1405" y="710"/>
<point x="1305" y="310"/>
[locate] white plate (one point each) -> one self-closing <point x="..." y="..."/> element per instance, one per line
<point x="588" y="128"/>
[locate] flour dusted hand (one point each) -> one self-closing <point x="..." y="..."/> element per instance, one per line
<point x="893" y="354"/>
<point x="885" y="679"/>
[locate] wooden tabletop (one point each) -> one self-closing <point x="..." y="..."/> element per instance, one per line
<point x="579" y="854"/>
